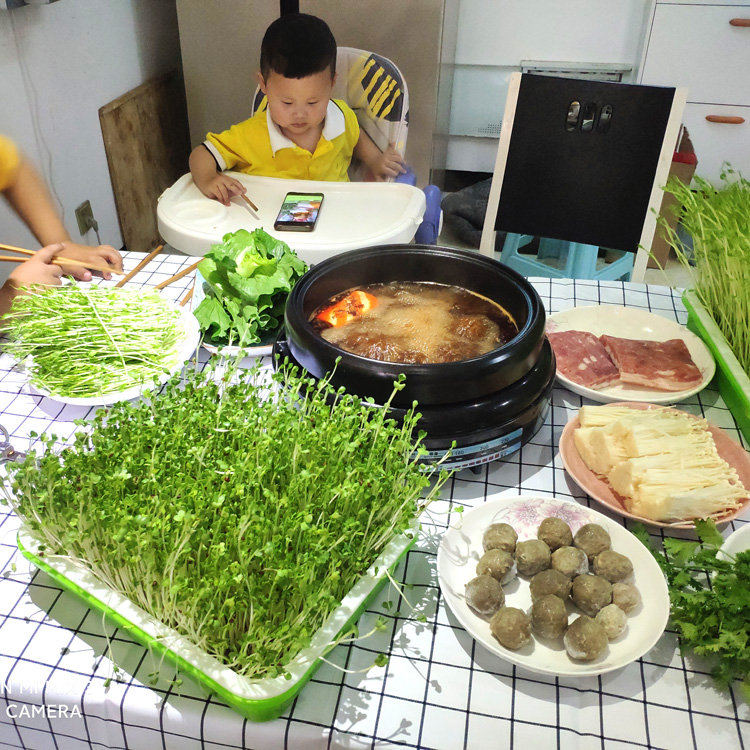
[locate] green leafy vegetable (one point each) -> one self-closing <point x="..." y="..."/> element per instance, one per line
<point x="710" y="599"/>
<point x="248" y="278"/>
<point x="718" y="220"/>
<point x="83" y="342"/>
<point x="236" y="510"/>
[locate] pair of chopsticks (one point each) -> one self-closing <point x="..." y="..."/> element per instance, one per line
<point x="168" y="281"/>
<point x="171" y="279"/>
<point x="57" y="260"/>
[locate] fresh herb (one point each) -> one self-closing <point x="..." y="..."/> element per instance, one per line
<point x="248" y="278"/>
<point x="238" y="510"/>
<point x="710" y="598"/>
<point x="718" y="220"/>
<point x="80" y="341"/>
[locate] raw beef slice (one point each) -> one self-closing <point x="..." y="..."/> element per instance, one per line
<point x="582" y="358"/>
<point x="663" y="365"/>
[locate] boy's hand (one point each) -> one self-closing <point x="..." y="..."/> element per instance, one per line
<point x="388" y="165"/>
<point x="104" y="254"/>
<point x="222" y="188"/>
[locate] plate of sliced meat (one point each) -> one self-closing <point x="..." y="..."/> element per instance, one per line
<point x="609" y="353"/>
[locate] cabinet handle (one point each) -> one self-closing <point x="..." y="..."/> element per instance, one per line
<point x="725" y="120"/>
<point x="740" y="22"/>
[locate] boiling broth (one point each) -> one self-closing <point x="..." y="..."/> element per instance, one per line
<point x="413" y="322"/>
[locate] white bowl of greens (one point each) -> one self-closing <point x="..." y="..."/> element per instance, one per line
<point x="241" y="289"/>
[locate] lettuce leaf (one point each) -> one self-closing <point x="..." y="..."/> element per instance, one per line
<point x="248" y="277"/>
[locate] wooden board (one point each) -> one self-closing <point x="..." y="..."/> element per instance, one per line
<point x="147" y="145"/>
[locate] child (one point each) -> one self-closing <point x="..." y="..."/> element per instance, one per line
<point x="303" y="134"/>
<point x="27" y="194"/>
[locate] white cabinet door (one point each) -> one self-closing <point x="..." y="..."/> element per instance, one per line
<point x="716" y="143"/>
<point x="696" y="46"/>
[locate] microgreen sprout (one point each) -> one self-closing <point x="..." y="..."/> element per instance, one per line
<point x="236" y="509"/>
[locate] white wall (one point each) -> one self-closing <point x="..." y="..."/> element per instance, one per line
<point x="59" y="64"/>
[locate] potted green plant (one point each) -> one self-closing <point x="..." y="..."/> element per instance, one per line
<point x="718" y="221"/>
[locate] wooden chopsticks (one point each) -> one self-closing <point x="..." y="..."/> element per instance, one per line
<point x="146" y="260"/>
<point x="58" y="260"/>
<point x="177" y="276"/>
<point x="249" y="202"/>
<point x="188" y="296"/>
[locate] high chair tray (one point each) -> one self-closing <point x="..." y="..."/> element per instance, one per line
<point x="353" y="215"/>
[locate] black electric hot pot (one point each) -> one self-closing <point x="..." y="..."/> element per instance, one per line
<point x="489" y="405"/>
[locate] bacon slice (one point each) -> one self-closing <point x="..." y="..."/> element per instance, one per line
<point x="661" y="365"/>
<point x="582" y="358"/>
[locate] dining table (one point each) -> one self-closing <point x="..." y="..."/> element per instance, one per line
<point x="71" y="678"/>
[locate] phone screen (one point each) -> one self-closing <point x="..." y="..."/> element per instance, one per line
<point x="299" y="212"/>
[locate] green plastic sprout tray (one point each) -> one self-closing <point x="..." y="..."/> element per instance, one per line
<point x="731" y="379"/>
<point x="256" y="699"/>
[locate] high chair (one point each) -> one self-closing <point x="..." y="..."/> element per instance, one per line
<point x="581" y="164"/>
<point x="375" y="89"/>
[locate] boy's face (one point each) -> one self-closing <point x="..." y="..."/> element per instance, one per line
<point x="297" y="105"/>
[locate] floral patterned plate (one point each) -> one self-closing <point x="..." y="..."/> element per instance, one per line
<point x="461" y="548"/>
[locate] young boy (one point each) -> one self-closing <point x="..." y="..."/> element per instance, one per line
<point x="303" y="134"/>
<point x="25" y="191"/>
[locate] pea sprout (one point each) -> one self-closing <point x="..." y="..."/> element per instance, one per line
<point x="83" y="343"/>
<point x="718" y="220"/>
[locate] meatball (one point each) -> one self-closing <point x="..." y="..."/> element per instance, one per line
<point x="511" y="626"/>
<point x="626" y="596"/>
<point x="485" y="594"/>
<point x="592" y="539"/>
<point x="549" y="616"/>
<point x="591" y="593"/>
<point x="585" y="639"/>
<point x="532" y="556"/>
<point x="613" y="566"/>
<point x="555" y="533"/>
<point x="498" y="564"/>
<point x="570" y="561"/>
<point x="613" y="620"/>
<point x="549" y="582"/>
<point x="500" y="536"/>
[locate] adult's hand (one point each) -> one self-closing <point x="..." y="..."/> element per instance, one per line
<point x="102" y="255"/>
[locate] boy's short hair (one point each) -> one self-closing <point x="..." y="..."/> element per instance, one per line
<point x="297" y="45"/>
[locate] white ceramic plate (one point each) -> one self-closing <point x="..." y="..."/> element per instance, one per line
<point x="732" y="452"/>
<point x="737" y="541"/>
<point x="461" y="548"/>
<point x="631" y="323"/>
<point x="257" y="350"/>
<point x="189" y="343"/>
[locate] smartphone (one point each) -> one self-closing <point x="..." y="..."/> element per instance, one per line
<point x="299" y="212"/>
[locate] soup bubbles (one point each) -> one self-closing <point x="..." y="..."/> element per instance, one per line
<point x="413" y="323"/>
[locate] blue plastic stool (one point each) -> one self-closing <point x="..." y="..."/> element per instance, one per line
<point x="580" y="261"/>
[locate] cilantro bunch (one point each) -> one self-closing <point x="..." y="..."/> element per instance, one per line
<point x="236" y="510"/>
<point x="248" y="277"/>
<point x="710" y="601"/>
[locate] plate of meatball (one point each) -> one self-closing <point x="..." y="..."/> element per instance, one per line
<point x="552" y="586"/>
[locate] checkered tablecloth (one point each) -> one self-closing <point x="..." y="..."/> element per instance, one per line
<point x="72" y="680"/>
